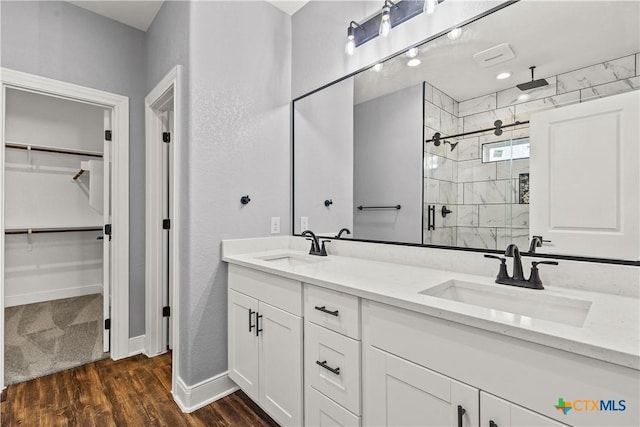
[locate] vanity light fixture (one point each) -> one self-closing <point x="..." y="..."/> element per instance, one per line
<point x="350" y="47"/>
<point x="455" y="33"/>
<point x="391" y="15"/>
<point x="430" y="6"/>
<point x="413" y="62"/>
<point x="503" y="76"/>
<point x="385" y="18"/>
<point x="378" y="67"/>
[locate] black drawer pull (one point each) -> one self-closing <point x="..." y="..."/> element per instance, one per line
<point x="461" y="412"/>
<point x="492" y="423"/>
<point x="258" y="328"/>
<point x="324" y="365"/>
<point x="251" y="313"/>
<point x="324" y="310"/>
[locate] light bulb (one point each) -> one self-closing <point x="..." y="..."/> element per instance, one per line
<point x="350" y="47"/>
<point x="503" y="76"/>
<point x="385" y="22"/>
<point x="378" y="67"/>
<point x="454" y="34"/>
<point x="430" y="6"/>
<point x="412" y="53"/>
<point x="413" y="62"/>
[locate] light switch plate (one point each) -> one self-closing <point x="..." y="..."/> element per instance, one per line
<point x="275" y="225"/>
<point x="304" y="223"/>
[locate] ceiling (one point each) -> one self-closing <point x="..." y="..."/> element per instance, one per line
<point x="137" y="14"/>
<point x="555" y="36"/>
<point x="140" y="14"/>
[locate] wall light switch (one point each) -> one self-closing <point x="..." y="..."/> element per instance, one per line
<point x="275" y="225"/>
<point x="304" y="223"/>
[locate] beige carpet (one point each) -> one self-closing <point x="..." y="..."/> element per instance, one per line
<point x="52" y="336"/>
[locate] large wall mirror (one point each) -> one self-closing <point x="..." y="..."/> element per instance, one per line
<point x="437" y="146"/>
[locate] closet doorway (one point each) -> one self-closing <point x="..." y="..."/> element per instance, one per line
<point x="163" y="130"/>
<point x="64" y="224"/>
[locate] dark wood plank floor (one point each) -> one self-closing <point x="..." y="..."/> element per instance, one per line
<point x="131" y="392"/>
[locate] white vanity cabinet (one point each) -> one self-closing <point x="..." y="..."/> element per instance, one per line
<point x="332" y="354"/>
<point x="265" y="341"/>
<point x="496" y="412"/>
<point x="402" y="393"/>
<point x="417" y="369"/>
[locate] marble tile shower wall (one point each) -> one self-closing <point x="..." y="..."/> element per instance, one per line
<point x="487" y="212"/>
<point x="440" y="166"/>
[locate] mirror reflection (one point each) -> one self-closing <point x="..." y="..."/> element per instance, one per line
<point x="434" y="145"/>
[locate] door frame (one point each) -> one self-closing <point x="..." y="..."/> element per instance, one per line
<point x="169" y="87"/>
<point x="119" y="105"/>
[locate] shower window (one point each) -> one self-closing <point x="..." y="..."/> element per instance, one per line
<point x="511" y="149"/>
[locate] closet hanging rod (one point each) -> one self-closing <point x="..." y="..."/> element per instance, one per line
<point x="50" y="230"/>
<point x="22" y="146"/>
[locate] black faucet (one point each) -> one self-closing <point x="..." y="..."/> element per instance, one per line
<point x="344" y="230"/>
<point x="536" y="242"/>
<point x="534" y="281"/>
<point x="316" y="249"/>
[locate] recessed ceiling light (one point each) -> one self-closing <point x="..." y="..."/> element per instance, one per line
<point x="524" y="97"/>
<point x="412" y="53"/>
<point x="503" y="76"/>
<point x="378" y="67"/>
<point x="413" y="62"/>
<point x="454" y="34"/>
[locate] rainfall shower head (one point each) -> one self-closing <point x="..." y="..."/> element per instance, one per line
<point x="533" y="84"/>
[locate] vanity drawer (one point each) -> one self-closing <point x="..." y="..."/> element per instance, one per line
<point x="333" y="310"/>
<point x="320" y="411"/>
<point x="332" y="365"/>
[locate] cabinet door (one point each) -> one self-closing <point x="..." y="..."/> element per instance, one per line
<point x="280" y="364"/>
<point x="496" y="412"/>
<point x="584" y="167"/>
<point x="400" y="393"/>
<point x="243" y="342"/>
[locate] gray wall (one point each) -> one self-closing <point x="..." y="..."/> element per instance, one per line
<point x="320" y="30"/>
<point x="388" y="166"/>
<point x="323" y="155"/>
<point x="239" y="143"/>
<point x="64" y="42"/>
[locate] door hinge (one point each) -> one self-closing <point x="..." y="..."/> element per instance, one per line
<point x="166" y="136"/>
<point x="107" y="135"/>
<point x="166" y="311"/>
<point x="107" y="230"/>
<point x="166" y="224"/>
<point x="107" y="323"/>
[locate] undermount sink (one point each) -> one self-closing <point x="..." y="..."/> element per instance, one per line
<point x="535" y="304"/>
<point x="293" y="260"/>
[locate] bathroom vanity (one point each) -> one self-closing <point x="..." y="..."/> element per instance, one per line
<point x="359" y="338"/>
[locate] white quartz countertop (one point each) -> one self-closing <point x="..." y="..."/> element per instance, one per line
<point x="610" y="332"/>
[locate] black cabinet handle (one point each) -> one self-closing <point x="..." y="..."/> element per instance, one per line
<point x="461" y="412"/>
<point x="324" y="310"/>
<point x="324" y="365"/>
<point x="251" y="313"/>
<point x="258" y="328"/>
<point x="492" y="424"/>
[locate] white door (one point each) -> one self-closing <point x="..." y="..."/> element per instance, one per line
<point x="496" y="412"/>
<point x="401" y="393"/>
<point x="585" y="174"/>
<point x="106" y="242"/>
<point x="243" y="342"/>
<point x="280" y="364"/>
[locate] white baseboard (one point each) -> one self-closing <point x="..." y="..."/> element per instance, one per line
<point x="190" y="398"/>
<point x="32" y="298"/>
<point x="136" y="345"/>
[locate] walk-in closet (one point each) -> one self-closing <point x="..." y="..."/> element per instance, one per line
<point x="56" y="206"/>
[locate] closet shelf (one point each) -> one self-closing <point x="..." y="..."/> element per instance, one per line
<point x="37" y="230"/>
<point x="23" y="146"/>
